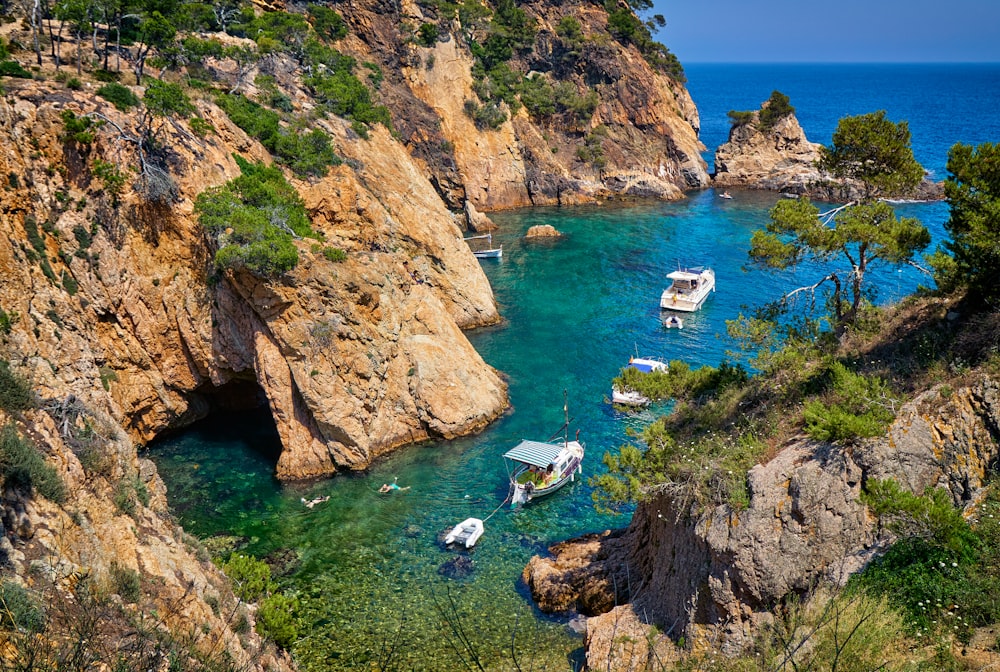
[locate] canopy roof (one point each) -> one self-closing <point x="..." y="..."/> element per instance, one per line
<point x="686" y="274"/>
<point x="535" y="453"/>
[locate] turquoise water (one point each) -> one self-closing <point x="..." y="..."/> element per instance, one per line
<point x="574" y="311"/>
<point x="366" y="566"/>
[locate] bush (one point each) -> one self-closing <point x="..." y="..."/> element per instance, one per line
<point x="854" y="406"/>
<point x="15" y="392"/>
<point x="118" y="95"/>
<point x="276" y="619"/>
<point x="125" y="582"/>
<point x="22" y="464"/>
<point x="334" y="254"/>
<point x="19" y="609"/>
<point x="427" y="34"/>
<point x="308" y="154"/>
<point x="253" y="219"/>
<point x="327" y="23"/>
<point x="13" y="69"/>
<point x="165" y="98"/>
<point x="776" y="108"/>
<point x="251" y="577"/>
<point x="740" y="117"/>
<point x="7" y="322"/>
<point x="944" y="573"/>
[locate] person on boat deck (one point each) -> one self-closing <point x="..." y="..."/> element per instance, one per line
<point x="389" y="487"/>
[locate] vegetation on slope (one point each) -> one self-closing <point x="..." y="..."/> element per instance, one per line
<point x="938" y="584"/>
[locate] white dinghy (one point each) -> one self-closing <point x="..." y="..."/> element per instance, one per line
<point x="467" y="533"/>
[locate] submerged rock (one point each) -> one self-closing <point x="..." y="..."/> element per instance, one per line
<point x="459" y="567"/>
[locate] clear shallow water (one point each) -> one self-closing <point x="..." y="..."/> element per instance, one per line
<point x="574" y="311"/>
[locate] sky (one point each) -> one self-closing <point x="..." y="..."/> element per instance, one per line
<point x="814" y="31"/>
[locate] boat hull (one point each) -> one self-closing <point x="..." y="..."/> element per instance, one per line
<point x="524" y="492"/>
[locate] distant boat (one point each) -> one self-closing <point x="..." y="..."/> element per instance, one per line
<point x="688" y="289"/>
<point x="466" y="533"/>
<point x="725" y="194"/>
<point x="628" y="397"/>
<point x="539" y="468"/>
<point x="485" y="251"/>
<point x="673" y="322"/>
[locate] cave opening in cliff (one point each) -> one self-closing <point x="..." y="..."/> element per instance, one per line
<point x="236" y="412"/>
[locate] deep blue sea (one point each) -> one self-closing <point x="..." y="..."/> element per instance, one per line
<point x="369" y="572"/>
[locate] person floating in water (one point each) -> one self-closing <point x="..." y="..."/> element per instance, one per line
<point x="313" y="502"/>
<point x="389" y="487"/>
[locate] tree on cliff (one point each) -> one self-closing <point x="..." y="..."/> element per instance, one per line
<point x="874" y="153"/>
<point x="973" y="191"/>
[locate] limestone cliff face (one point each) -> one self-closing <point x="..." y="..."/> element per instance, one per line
<point x="648" y="123"/>
<point x="712" y="577"/>
<point x="105" y="531"/>
<point x="354" y="358"/>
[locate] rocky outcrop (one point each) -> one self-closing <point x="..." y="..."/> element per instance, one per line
<point x="542" y="231"/>
<point x="114" y="537"/>
<point x="354" y="357"/>
<point x="711" y="575"/>
<point x="780" y="158"/>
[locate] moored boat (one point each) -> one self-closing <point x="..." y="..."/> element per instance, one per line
<point x="673" y="322"/>
<point x="485" y="251"/>
<point x="466" y="533"/>
<point x="689" y="287"/>
<point x="628" y="397"/>
<point x="539" y="468"/>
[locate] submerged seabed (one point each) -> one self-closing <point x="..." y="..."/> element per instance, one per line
<point x="371" y="574"/>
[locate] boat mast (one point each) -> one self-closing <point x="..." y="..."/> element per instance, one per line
<point x="566" y="414"/>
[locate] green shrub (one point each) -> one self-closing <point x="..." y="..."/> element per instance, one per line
<point x="7" y="321"/>
<point x="251" y="577"/>
<point x="74" y="84"/>
<point x="327" y="23"/>
<point x="108" y="376"/>
<point x="19" y="609"/>
<point x="69" y="283"/>
<point x="15" y="392"/>
<point x="118" y="95"/>
<point x="853" y="406"/>
<point x="13" y="69"/>
<point x="944" y="571"/>
<point x="334" y="254"/>
<point x="740" y="117"/>
<point x="201" y="127"/>
<point x="125" y="582"/>
<point x="427" y="34"/>
<point x="166" y="98"/>
<point x="276" y="619"/>
<point x="538" y="97"/>
<point x="307" y="154"/>
<point x="22" y="464"/>
<point x="252" y="220"/>
<point x="777" y="108"/>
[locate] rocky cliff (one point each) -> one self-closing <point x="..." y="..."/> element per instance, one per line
<point x="113" y="310"/>
<point x="710" y="576"/>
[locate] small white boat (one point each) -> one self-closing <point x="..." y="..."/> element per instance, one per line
<point x="725" y="194"/>
<point x="627" y="397"/>
<point x="688" y="289"/>
<point x="467" y="533"/>
<point x="673" y="322"/>
<point x="485" y="251"/>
